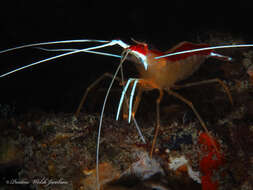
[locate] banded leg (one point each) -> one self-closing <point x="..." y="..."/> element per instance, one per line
<point x="136" y="104"/>
<point x="207" y="82"/>
<point x="90" y="87"/>
<point x="137" y="101"/>
<point x="158" y="100"/>
<point x="127" y="111"/>
<point x="131" y="100"/>
<point x="123" y="95"/>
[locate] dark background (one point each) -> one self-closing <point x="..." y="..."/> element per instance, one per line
<point x="59" y="85"/>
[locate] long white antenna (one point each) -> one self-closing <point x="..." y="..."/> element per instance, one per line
<point x="53" y="42"/>
<point x="204" y="49"/>
<point x="101" y="119"/>
<point x="71" y="50"/>
<point x="111" y="43"/>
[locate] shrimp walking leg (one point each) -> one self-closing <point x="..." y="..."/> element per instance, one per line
<point x="157" y="121"/>
<point x="90" y="87"/>
<point x="189" y="103"/>
<point x="225" y="87"/>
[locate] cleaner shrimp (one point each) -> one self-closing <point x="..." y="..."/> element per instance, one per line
<point x="158" y="70"/>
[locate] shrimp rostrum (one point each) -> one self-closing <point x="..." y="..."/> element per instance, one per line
<point x="157" y="70"/>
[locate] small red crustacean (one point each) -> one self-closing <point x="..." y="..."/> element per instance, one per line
<point x="210" y="162"/>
